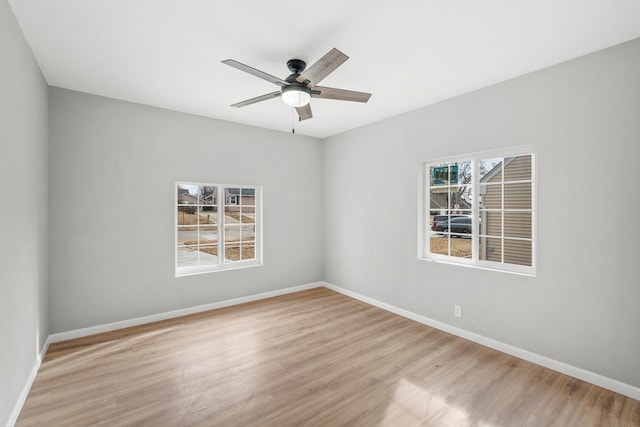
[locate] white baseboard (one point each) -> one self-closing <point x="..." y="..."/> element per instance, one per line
<point x="83" y="332"/>
<point x="27" y="386"/>
<point x="564" y="368"/>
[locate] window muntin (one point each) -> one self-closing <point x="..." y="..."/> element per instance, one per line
<point x="217" y="227"/>
<point x="502" y="232"/>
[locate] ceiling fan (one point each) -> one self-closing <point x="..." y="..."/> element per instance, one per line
<point x="298" y="89"/>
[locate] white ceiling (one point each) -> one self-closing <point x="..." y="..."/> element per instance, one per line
<point x="408" y="53"/>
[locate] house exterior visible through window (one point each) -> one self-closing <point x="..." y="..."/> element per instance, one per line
<point x="479" y="210"/>
<point x="218" y="227"/>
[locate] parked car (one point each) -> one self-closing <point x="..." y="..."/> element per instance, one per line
<point x="438" y="219"/>
<point x="460" y="224"/>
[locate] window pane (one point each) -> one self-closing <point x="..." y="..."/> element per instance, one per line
<point x="464" y="175"/>
<point x="438" y="222"/>
<point x="208" y="235"/>
<point x="208" y="255"/>
<point x="517" y="224"/>
<point x="187" y="257"/>
<point x="234" y="251"/>
<point x="248" y="233"/>
<point x="232" y="214"/>
<point x="517" y="196"/>
<point x="231" y="252"/>
<point x="491" y="196"/>
<point x="439" y="200"/>
<point x="232" y="196"/>
<point x="517" y="252"/>
<point x="248" y="252"/>
<point x="248" y="197"/>
<point x="437" y="219"/>
<point x="459" y="225"/>
<point x="490" y="170"/>
<point x="187" y="215"/>
<point x="231" y="234"/>
<point x="248" y="215"/>
<point x="459" y="197"/>
<point x="187" y="236"/>
<point x="439" y="175"/>
<point x="439" y="245"/>
<point x="491" y="223"/>
<point x="490" y="249"/>
<point x="180" y="190"/>
<point x="518" y="168"/>
<point x="461" y="246"/>
<point x="207" y="195"/>
<point x="208" y="215"/>
<point x="187" y="194"/>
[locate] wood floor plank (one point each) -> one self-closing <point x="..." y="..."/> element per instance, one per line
<point x="313" y="358"/>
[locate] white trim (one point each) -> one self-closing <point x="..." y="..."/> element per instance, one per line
<point x="487" y="265"/>
<point x="517" y="150"/>
<point x="423" y="207"/>
<point x="203" y="269"/>
<point x="564" y="368"/>
<point x="17" y="408"/>
<point x="107" y="327"/>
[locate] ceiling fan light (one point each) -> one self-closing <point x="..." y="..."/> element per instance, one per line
<point x="296" y="96"/>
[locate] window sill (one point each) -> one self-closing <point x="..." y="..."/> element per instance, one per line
<point x="192" y="271"/>
<point x="524" y="271"/>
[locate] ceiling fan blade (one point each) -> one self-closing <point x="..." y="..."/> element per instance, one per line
<point x="304" y="112"/>
<point x="257" y="99"/>
<point x="255" y="72"/>
<point x="339" y="94"/>
<point x="321" y="69"/>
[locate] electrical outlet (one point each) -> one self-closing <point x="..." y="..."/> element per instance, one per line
<point x="457" y="311"/>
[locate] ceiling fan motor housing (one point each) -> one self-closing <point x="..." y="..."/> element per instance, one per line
<point x="296" y="66"/>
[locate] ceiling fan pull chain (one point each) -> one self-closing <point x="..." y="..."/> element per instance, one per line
<point x="293" y="120"/>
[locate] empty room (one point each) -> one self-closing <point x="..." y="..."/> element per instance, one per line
<point x="408" y="213"/>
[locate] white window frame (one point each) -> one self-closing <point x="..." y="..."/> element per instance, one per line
<point x="424" y="229"/>
<point x="222" y="264"/>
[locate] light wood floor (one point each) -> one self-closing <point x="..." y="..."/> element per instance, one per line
<point x="310" y="358"/>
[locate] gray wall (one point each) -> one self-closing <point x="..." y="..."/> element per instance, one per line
<point x="113" y="167"/>
<point x="23" y="211"/>
<point x="582" y="308"/>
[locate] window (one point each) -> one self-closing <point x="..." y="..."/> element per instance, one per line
<point x="496" y="229"/>
<point x="217" y="227"/>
